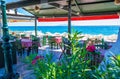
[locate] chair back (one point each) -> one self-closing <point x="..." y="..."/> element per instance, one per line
<point x="22" y="35"/>
<point x="18" y="44"/>
<point x="35" y="44"/>
<point x="44" y="40"/>
<point x="66" y="44"/>
<point x="51" y="39"/>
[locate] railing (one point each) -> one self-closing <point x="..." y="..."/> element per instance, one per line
<point x="14" y="58"/>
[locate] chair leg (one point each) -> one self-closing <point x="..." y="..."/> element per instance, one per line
<point x="36" y="50"/>
<point x="57" y="46"/>
<point x="51" y="45"/>
<point x="23" y="50"/>
<point x="60" y="56"/>
<point x="32" y="50"/>
<point x="19" y="52"/>
<point x="28" y="51"/>
<point x="60" y="45"/>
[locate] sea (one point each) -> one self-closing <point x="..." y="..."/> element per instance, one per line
<point x="93" y="30"/>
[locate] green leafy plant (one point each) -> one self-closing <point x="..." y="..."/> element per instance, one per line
<point x="112" y="71"/>
<point x="74" y="66"/>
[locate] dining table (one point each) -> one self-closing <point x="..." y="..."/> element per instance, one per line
<point x="58" y="41"/>
<point x="26" y="43"/>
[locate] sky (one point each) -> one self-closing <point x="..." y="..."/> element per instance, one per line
<point x="7" y="1"/>
<point x="20" y="10"/>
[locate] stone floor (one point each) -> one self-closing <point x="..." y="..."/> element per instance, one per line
<point x="21" y="67"/>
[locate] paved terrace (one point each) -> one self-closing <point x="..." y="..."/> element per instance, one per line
<point x="21" y="67"/>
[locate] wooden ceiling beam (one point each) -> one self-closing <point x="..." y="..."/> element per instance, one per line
<point x="80" y="9"/>
<point x="28" y="11"/>
<point x="78" y="4"/>
<point x="18" y="15"/>
<point x="64" y="8"/>
<point x="25" y="3"/>
<point x="99" y="13"/>
<point x="84" y="14"/>
<point x="88" y="3"/>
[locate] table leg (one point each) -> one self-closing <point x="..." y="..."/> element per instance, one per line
<point x="28" y="51"/>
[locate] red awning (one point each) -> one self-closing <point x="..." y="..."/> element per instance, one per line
<point x="98" y="17"/>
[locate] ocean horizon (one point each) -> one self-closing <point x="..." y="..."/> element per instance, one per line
<point x="93" y="30"/>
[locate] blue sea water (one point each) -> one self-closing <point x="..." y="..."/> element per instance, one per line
<point x="93" y="30"/>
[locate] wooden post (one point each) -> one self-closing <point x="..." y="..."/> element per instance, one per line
<point x="69" y="16"/>
<point x="35" y="26"/>
<point x="68" y="50"/>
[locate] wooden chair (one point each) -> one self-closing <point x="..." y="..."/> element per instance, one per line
<point x="65" y="47"/>
<point x="95" y="59"/>
<point x="22" y="35"/>
<point x="35" y="44"/>
<point x="101" y="44"/>
<point x="51" y="42"/>
<point x="44" y="40"/>
<point x="19" y="48"/>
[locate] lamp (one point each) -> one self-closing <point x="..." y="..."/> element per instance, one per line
<point x="61" y="6"/>
<point x="37" y="9"/>
<point x="117" y="2"/>
<point x="78" y="13"/>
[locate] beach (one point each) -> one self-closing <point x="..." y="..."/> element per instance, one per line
<point x="108" y="33"/>
<point x="107" y="38"/>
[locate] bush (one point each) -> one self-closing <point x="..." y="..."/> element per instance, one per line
<point x="73" y="66"/>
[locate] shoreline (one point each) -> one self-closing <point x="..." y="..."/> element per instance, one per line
<point x="108" y="38"/>
<point x="93" y="30"/>
<point x="67" y="25"/>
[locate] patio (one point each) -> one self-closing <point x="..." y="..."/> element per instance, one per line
<point x="75" y="59"/>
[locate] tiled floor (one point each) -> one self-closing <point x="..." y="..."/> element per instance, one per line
<point x="21" y="67"/>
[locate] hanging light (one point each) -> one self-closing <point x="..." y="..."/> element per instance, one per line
<point x="37" y="9"/>
<point x="118" y="13"/>
<point x="117" y="2"/>
<point x="61" y="6"/>
<point x="43" y="17"/>
<point x="78" y="13"/>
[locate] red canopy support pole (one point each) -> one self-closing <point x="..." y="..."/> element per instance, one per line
<point x="35" y="26"/>
<point x="68" y="50"/>
<point x="69" y="16"/>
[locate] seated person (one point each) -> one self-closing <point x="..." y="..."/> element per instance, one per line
<point x="93" y="54"/>
<point x="90" y="47"/>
